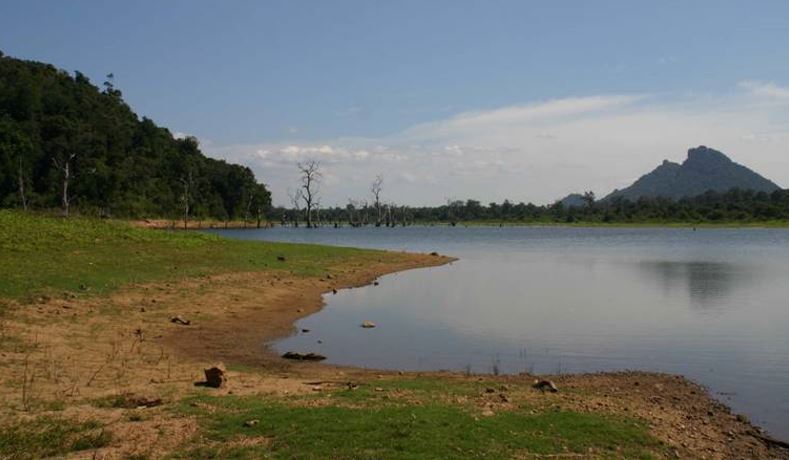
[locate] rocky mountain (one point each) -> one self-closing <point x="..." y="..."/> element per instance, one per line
<point x="573" y="200"/>
<point x="705" y="169"/>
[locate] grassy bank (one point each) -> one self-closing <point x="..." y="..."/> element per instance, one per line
<point x="49" y="255"/>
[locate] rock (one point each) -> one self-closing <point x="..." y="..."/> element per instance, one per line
<point x="545" y="385"/>
<point x="434" y="254"/>
<point x="368" y="324"/>
<point x="490" y="390"/>
<point x="281" y="258"/>
<point x="379" y="389"/>
<point x="304" y="331"/>
<point x="334" y="291"/>
<point x="328" y="276"/>
<point x="488" y="413"/>
<point x="375" y="283"/>
<point x="251" y="423"/>
<point x="504" y="398"/>
<point x="216" y="376"/>
<point x="303" y="356"/>
<point x="180" y="320"/>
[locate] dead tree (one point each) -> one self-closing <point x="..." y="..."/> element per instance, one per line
<point x="376" y="188"/>
<point x="310" y="179"/>
<point x="295" y="199"/>
<point x="186" y="196"/>
<point x="21" y="178"/>
<point x="64" y="165"/>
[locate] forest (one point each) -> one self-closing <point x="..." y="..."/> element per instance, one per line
<point x="69" y="146"/>
<point x="734" y="206"/>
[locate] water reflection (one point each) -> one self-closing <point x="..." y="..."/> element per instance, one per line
<point x="708" y="284"/>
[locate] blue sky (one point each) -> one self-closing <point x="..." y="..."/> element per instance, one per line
<point x="417" y="89"/>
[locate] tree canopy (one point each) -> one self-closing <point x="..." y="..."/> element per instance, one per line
<point x="118" y="164"/>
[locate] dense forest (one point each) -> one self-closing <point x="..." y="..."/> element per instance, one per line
<point x="67" y="145"/>
<point x="741" y="206"/>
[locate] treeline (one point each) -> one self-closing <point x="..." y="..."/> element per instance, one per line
<point x="65" y="144"/>
<point x="736" y="205"/>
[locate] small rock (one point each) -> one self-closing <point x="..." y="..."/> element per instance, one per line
<point x="304" y="331"/>
<point x="368" y="324"/>
<point x="379" y="389"/>
<point x="375" y="283"/>
<point x="299" y="310"/>
<point x="251" y="423"/>
<point x="490" y="390"/>
<point x="281" y="258"/>
<point x="216" y="376"/>
<point x="328" y="276"/>
<point x="180" y="320"/>
<point x="488" y="413"/>
<point x="334" y="291"/>
<point x="434" y="254"/>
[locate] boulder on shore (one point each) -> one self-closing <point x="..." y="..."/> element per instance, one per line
<point x="216" y="376"/>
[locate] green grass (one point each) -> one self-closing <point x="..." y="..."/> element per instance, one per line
<point x="426" y="429"/>
<point x="49" y="436"/>
<point x="48" y="255"/>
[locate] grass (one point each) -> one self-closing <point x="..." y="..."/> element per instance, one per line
<point x="49" y="256"/>
<point x="427" y="429"/>
<point x="49" y="436"/>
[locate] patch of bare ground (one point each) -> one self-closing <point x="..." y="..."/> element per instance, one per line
<point x="121" y="360"/>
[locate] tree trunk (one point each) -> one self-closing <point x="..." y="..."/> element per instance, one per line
<point x="22" y="196"/>
<point x="65" y="198"/>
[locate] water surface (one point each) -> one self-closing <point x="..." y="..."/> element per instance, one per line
<point x="711" y="304"/>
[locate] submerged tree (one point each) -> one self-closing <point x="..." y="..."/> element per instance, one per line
<point x="310" y="180"/>
<point x="376" y="188"/>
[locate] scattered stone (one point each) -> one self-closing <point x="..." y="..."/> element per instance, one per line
<point x="317" y="388"/>
<point x="488" y="413"/>
<point x="180" y="320"/>
<point x="299" y="310"/>
<point x="379" y="389"/>
<point x="352" y="386"/>
<point x="281" y="258"/>
<point x="368" y="324"/>
<point x="434" y="254"/>
<point x="304" y="331"/>
<point x="328" y="276"/>
<point x="504" y="398"/>
<point x="216" y="376"/>
<point x="375" y="283"/>
<point x="303" y="356"/>
<point x="490" y="390"/>
<point x="251" y="423"/>
<point x="334" y="291"/>
<point x="545" y="385"/>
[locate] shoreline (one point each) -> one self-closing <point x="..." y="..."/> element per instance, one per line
<point x="235" y="316"/>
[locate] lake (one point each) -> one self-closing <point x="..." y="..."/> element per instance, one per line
<point x="711" y="304"/>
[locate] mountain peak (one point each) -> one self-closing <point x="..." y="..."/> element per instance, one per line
<point x="703" y="156"/>
<point x="704" y="169"/>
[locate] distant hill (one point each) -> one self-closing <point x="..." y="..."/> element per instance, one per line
<point x="705" y="169"/>
<point x="66" y="144"/>
<point x="573" y="200"/>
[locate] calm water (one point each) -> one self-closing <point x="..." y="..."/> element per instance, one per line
<point x="712" y="305"/>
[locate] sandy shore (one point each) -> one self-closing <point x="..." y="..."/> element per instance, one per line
<point x="82" y="350"/>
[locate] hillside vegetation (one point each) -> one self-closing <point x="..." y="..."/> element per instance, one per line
<point x="66" y="144"/>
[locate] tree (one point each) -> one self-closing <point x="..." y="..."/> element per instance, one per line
<point x="310" y="180"/>
<point x="186" y="195"/>
<point x="63" y="164"/>
<point x="376" y="188"/>
<point x="589" y="199"/>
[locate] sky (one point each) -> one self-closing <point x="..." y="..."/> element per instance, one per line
<point x="451" y="99"/>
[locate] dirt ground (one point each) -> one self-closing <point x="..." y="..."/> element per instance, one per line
<point x="64" y="354"/>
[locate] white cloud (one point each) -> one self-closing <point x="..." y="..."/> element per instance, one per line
<point x="537" y="152"/>
<point x="765" y="89"/>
